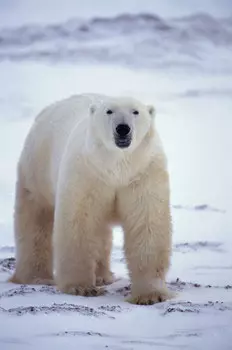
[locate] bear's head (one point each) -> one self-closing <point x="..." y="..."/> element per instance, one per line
<point x="122" y="123"/>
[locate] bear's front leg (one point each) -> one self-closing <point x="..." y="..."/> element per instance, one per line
<point x="145" y="214"/>
<point x="80" y="211"/>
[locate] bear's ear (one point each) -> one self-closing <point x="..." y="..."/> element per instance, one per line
<point x="151" y="110"/>
<point x="92" y="109"/>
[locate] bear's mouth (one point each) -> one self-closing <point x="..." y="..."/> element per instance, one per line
<point x="122" y="142"/>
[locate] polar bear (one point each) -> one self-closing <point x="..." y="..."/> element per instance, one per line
<point x="91" y="161"/>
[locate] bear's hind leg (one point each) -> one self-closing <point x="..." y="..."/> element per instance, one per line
<point x="33" y="227"/>
<point x="104" y="276"/>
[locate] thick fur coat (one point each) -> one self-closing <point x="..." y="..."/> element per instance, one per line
<point x="78" y="175"/>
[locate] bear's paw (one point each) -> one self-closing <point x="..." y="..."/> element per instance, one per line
<point x="154" y="297"/>
<point x="88" y="291"/>
<point x="32" y="280"/>
<point x="105" y="280"/>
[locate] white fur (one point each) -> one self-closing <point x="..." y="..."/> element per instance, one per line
<point x="71" y="170"/>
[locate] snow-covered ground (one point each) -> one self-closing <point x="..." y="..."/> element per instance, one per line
<point x="190" y="83"/>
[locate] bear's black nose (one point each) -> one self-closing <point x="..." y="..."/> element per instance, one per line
<point x="123" y="130"/>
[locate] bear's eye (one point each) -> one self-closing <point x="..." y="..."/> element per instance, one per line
<point x="135" y="112"/>
<point x="109" y="111"/>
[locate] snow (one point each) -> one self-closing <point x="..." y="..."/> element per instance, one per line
<point x="194" y="121"/>
<point x="17" y="12"/>
<point x="142" y="40"/>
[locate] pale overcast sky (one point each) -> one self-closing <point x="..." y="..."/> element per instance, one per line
<point x="17" y="12"/>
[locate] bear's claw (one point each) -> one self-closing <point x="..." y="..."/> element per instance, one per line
<point x="34" y="280"/>
<point x="84" y="291"/>
<point x="105" y="280"/>
<point x="151" y="298"/>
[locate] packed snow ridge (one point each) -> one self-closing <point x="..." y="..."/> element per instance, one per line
<point x="143" y="40"/>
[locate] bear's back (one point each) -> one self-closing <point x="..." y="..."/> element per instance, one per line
<point x="47" y="139"/>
